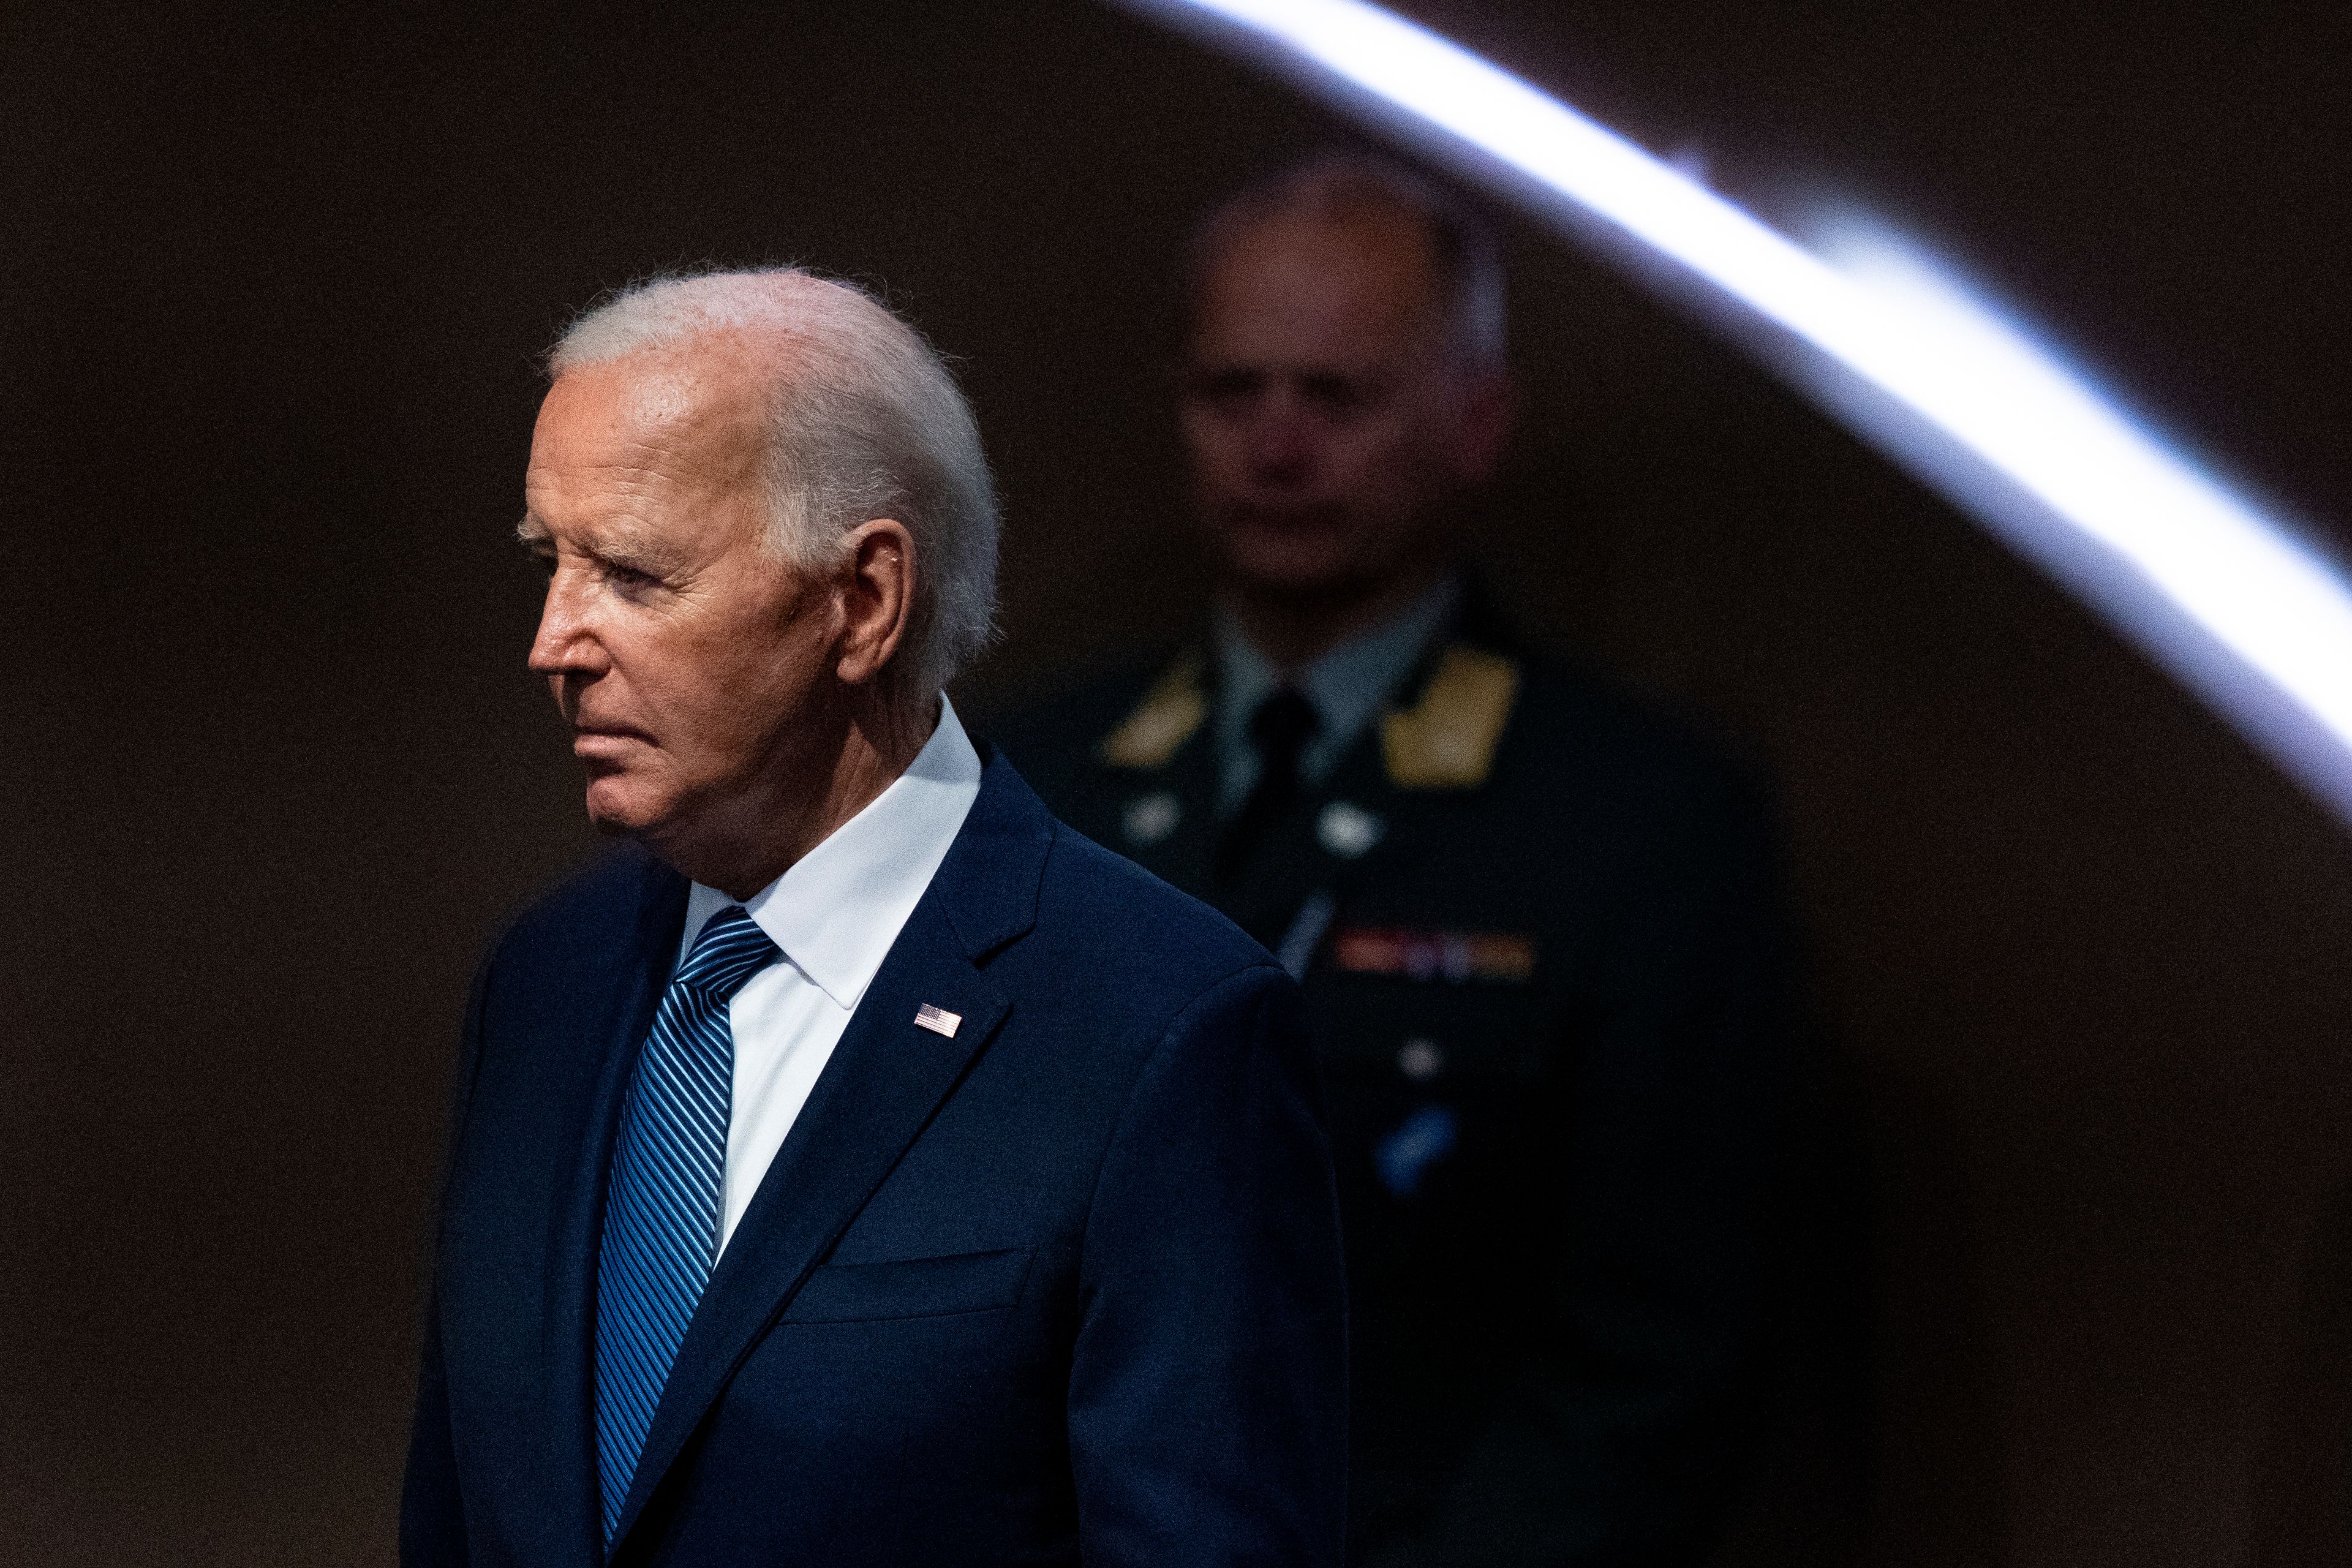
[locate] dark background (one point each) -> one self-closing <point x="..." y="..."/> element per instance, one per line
<point x="273" y="282"/>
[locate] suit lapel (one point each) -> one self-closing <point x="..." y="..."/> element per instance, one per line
<point x="881" y="1087"/>
<point x="613" y="1026"/>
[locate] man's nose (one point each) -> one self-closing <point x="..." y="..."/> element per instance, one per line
<point x="565" y="642"/>
<point x="1281" y="441"/>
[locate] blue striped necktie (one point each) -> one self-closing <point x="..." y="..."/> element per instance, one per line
<point x="661" y="1207"/>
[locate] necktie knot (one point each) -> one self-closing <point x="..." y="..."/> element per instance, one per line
<point x="1280" y="726"/>
<point x="730" y="949"/>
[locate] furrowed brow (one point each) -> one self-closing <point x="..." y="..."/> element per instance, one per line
<point x="633" y="549"/>
<point x="638" y="550"/>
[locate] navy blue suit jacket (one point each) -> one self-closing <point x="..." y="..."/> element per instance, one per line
<point x="1065" y="1287"/>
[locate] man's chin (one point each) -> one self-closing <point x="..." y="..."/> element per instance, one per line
<point x="1292" y="568"/>
<point x="620" y="811"/>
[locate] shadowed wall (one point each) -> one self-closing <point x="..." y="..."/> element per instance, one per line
<point x="273" y="284"/>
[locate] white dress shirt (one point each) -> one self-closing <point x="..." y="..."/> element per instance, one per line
<point x="834" y="914"/>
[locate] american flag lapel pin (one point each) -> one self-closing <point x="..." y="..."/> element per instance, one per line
<point x="938" y="1020"/>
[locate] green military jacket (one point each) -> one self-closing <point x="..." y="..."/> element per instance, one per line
<point x="1537" y="927"/>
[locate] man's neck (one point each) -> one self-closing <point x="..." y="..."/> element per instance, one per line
<point x="1292" y="629"/>
<point x="767" y="834"/>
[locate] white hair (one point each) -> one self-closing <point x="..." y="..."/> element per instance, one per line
<point x="863" y="422"/>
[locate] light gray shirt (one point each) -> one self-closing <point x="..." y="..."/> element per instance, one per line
<point x="1345" y="685"/>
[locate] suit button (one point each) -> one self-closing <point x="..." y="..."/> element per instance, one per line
<point x="1421" y="1060"/>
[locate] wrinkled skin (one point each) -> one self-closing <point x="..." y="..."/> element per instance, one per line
<point x="723" y="703"/>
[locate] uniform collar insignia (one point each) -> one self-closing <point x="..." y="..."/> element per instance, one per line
<point x="1162" y="722"/>
<point x="1448" y="738"/>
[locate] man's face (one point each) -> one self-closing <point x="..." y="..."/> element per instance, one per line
<point x="685" y="656"/>
<point x="1326" y="425"/>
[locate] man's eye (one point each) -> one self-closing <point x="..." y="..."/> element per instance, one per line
<point x="1333" y="393"/>
<point x="543" y="562"/>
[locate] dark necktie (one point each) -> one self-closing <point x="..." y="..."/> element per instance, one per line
<point x="1279" y="729"/>
<point x="662" y="1205"/>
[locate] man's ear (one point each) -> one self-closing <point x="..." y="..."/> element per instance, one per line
<point x="877" y="588"/>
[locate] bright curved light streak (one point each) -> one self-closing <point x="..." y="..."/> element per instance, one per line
<point x="2255" y="620"/>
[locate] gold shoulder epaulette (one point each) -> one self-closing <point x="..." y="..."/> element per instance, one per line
<point x="1447" y="739"/>
<point x="1162" y="722"/>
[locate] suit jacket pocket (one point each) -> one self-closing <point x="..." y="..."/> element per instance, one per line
<point x="915" y="1287"/>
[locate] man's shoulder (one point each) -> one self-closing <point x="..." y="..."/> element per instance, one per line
<point x="1628" y="790"/>
<point x="1117" y="932"/>
<point x="1561" y="712"/>
<point x="593" y="910"/>
<point x="1570" y="716"/>
<point x="1051" y="728"/>
<point x="1114" y="902"/>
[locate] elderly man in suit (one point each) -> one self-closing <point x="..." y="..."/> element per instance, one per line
<point x="1536" y="923"/>
<point x="857" y="1166"/>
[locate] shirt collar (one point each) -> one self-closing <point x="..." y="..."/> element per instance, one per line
<point x="837" y="910"/>
<point x="1346" y="684"/>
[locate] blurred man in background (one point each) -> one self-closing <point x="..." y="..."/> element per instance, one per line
<point x="1535" y="924"/>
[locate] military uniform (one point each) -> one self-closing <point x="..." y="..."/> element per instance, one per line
<point x="1535" y="925"/>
